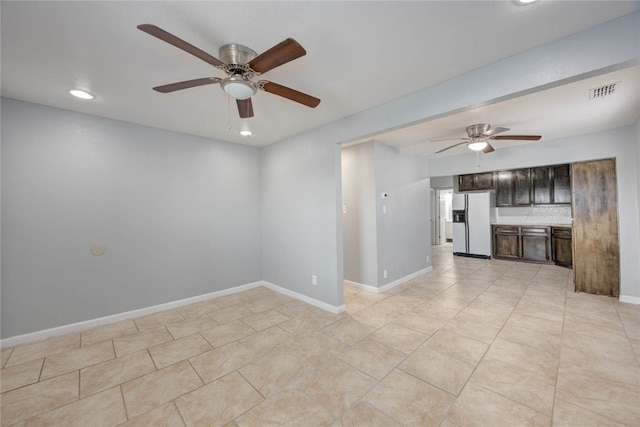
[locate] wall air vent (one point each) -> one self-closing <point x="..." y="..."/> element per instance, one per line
<point x="602" y="91"/>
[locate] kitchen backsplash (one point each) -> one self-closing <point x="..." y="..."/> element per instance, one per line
<point x="534" y="215"/>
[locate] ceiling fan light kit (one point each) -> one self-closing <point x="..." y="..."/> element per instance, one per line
<point x="477" y="145"/>
<point x="238" y="87"/>
<point x="241" y="64"/>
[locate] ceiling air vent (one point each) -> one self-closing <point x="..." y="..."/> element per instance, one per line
<point x="602" y="91"/>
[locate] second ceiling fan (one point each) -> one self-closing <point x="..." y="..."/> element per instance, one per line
<point x="479" y="135"/>
<point x="241" y="64"/>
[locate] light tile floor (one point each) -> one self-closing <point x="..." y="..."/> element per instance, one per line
<point x="472" y="343"/>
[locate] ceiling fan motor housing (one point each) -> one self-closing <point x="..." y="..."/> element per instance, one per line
<point x="478" y="130"/>
<point x="236" y="54"/>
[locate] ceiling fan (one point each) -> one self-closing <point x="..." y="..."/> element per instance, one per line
<point x="480" y="134"/>
<point x="241" y="64"/>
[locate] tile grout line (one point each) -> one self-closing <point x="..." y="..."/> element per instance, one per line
<point x="555" y="389"/>
<point x="484" y="354"/>
<point x="196" y="371"/>
<point x="488" y="348"/>
<point x="168" y="401"/>
<point x="626" y="334"/>
<point x="152" y="361"/>
<point x="41" y="369"/>
<point x="173" y="402"/>
<point x="124" y="403"/>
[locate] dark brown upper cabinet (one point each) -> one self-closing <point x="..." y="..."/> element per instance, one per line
<point x="561" y="184"/>
<point x="551" y="185"/>
<point x="543" y="185"/>
<point x="476" y="182"/>
<point x="466" y="182"/>
<point x="522" y="187"/>
<point x="513" y="188"/>
<point x="504" y="188"/>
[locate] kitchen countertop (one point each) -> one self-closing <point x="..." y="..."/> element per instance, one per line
<point x="537" y="224"/>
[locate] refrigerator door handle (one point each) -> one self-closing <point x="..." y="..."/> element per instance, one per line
<point x="466" y="225"/>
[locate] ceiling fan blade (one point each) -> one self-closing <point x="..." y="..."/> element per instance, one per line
<point x="289" y="93"/>
<point x="186" y="84"/>
<point x="516" y="137"/>
<point x="488" y="148"/>
<point x="449" y="139"/>
<point x="495" y="130"/>
<point x="451" y="146"/>
<point x="283" y="52"/>
<point x="245" y="108"/>
<point x="180" y="44"/>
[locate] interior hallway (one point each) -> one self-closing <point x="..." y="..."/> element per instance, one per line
<point x="474" y="342"/>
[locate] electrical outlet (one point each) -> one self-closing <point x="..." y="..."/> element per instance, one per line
<point x="314" y="280"/>
<point x="384" y="273"/>
<point x="428" y="258"/>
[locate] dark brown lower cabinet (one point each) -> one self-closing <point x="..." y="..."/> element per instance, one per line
<point x="526" y="243"/>
<point x="561" y="248"/>
<point x="535" y="243"/>
<point x="506" y="242"/>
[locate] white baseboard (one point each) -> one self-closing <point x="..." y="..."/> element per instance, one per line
<point x="101" y="321"/>
<point x="404" y="279"/>
<point x="390" y="285"/>
<point x="362" y="286"/>
<point x="317" y="303"/>
<point x="629" y="299"/>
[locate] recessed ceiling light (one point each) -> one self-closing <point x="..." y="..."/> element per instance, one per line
<point x="524" y="2"/>
<point x="82" y="94"/>
<point x="245" y="133"/>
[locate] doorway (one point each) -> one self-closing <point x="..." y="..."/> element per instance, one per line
<point x="441" y="215"/>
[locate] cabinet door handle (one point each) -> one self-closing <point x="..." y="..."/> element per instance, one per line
<point x="546" y="247"/>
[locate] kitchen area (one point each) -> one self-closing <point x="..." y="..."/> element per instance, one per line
<point x="563" y="214"/>
<point x="521" y="215"/>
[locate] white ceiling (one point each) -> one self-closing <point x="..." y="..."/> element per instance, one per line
<point x="359" y="55"/>
<point x="553" y="113"/>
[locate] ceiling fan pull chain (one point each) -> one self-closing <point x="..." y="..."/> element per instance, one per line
<point x="477" y="159"/>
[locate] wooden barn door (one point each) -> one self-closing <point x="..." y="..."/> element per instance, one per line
<point x="596" y="260"/>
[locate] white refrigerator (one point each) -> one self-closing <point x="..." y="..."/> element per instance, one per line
<point x="472" y="216"/>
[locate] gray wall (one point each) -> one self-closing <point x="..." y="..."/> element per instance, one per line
<point x="179" y="216"/>
<point x="404" y="235"/>
<point x="638" y="168"/>
<point x="397" y="241"/>
<point x="301" y="224"/>
<point x="359" y="228"/>
<point x="620" y="144"/>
